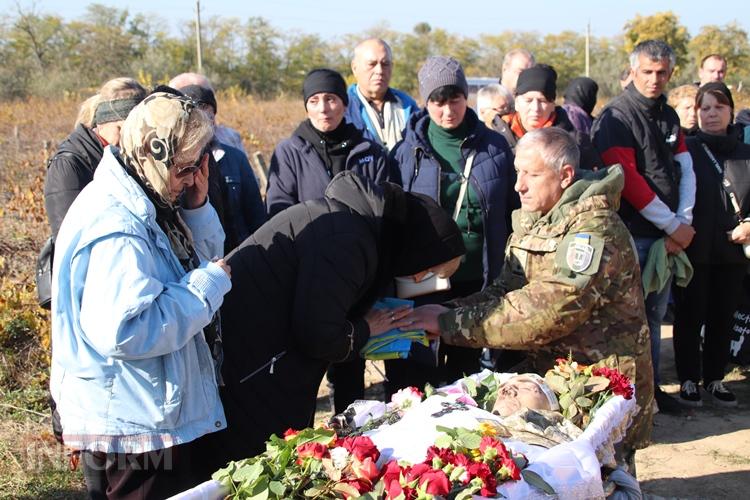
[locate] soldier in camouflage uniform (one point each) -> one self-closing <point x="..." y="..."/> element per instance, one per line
<point x="570" y="282"/>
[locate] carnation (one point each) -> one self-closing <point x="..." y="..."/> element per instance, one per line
<point x="407" y="397"/>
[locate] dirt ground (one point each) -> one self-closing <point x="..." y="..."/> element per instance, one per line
<point x="703" y="454"/>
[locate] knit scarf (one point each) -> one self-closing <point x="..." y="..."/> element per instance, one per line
<point x="393" y="120"/>
<point x="519" y="131"/>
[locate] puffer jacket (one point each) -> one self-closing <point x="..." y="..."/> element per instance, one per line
<point x="298" y="173"/>
<point x="570" y="284"/>
<point x="301" y="286"/>
<point x="69" y="171"/>
<point x="416" y="168"/>
<point x="131" y="370"/>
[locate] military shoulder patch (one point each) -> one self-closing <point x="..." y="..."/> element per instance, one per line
<point x="580" y="253"/>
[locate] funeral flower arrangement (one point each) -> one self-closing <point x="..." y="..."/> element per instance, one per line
<point x="462" y="463"/>
<point x="315" y="463"/>
<point x="583" y="389"/>
<point x="311" y="463"/>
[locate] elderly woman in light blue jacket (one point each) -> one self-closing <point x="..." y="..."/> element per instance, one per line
<point x="134" y="301"/>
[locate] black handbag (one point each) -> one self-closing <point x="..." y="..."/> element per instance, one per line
<point x="44" y="273"/>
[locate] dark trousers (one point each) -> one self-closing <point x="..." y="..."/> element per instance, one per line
<point x="143" y="476"/>
<point x="711" y="299"/>
<point x="348" y="381"/>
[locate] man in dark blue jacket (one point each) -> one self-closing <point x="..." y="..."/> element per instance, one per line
<point x="379" y="111"/>
<point x="450" y="155"/>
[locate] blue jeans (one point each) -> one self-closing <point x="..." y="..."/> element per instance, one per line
<point x="656" y="304"/>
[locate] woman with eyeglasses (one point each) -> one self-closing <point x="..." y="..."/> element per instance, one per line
<point x="135" y="294"/>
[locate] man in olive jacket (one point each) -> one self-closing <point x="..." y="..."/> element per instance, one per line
<point x="570" y="282"/>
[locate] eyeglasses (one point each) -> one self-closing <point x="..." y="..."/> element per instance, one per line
<point x="189" y="169"/>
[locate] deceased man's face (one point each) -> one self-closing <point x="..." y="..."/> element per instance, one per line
<point x="519" y="392"/>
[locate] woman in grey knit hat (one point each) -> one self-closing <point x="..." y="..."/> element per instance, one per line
<point x="450" y="155"/>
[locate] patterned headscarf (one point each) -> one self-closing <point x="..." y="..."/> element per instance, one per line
<point x="148" y="144"/>
<point x="150" y="136"/>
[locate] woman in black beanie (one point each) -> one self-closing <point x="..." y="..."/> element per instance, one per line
<point x="302" y="166"/>
<point x="535" y="108"/>
<point x="321" y="146"/>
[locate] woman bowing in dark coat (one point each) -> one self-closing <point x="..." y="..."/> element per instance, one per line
<point x="303" y="288"/>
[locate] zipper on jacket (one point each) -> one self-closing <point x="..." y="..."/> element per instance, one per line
<point x="270" y="363"/>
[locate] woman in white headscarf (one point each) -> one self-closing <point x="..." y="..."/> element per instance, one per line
<point x="134" y="300"/>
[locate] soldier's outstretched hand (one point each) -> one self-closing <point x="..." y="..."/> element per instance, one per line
<point x="425" y="318"/>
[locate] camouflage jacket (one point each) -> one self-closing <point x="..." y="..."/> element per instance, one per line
<point x="570" y="283"/>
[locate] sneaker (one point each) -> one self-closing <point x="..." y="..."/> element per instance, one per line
<point x="721" y="395"/>
<point x="689" y="394"/>
<point x="666" y="403"/>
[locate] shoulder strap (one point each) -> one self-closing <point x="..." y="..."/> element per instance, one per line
<point x="464" y="185"/>
<point x="724" y="181"/>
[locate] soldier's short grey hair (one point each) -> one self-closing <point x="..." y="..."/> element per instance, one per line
<point x="555" y="146"/>
<point x="517" y="52"/>
<point x="488" y="92"/>
<point x="655" y="50"/>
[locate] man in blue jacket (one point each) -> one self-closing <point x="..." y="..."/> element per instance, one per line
<point x="378" y="110"/>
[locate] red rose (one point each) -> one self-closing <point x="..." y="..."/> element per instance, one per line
<point x="360" y="447"/>
<point x="361" y="486"/>
<point x="290" y="434"/>
<point x="365" y="469"/>
<point x="392" y="480"/>
<point x="416" y="471"/>
<point x="435" y="482"/>
<point x="311" y="449"/>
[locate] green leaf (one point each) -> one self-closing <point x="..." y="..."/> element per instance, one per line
<point x="565" y="401"/>
<point x="537" y="482"/>
<point x="249" y="473"/>
<point x="596" y="384"/>
<point x="584" y="402"/>
<point x="428" y="390"/>
<point x="448" y="430"/>
<point x="572" y="411"/>
<point x="277" y="488"/>
<point x="576" y="388"/>
<point x="313" y="491"/>
<point x="471" y="386"/>
<point x="443" y="441"/>
<point x="521" y="461"/>
<point x="346" y="489"/>
<point x="556" y="383"/>
<point x="470" y="440"/>
<point x="259" y="490"/>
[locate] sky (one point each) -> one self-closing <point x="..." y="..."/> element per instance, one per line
<point x="332" y="18"/>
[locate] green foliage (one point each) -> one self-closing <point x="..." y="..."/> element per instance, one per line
<point x="45" y="55"/>
<point x="730" y="41"/>
<point x="661" y="26"/>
